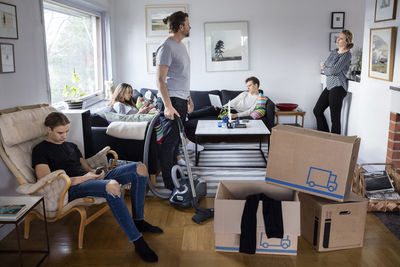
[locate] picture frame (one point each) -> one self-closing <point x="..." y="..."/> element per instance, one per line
<point x="337" y="20"/>
<point x="381" y="53"/>
<point x="385" y="10"/>
<point x="8" y="21"/>
<point x="332" y="40"/>
<point x="7" y="58"/>
<point x="226" y="45"/>
<point x="156" y="17"/>
<point x="151" y="49"/>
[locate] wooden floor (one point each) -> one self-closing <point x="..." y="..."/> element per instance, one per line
<point x="185" y="243"/>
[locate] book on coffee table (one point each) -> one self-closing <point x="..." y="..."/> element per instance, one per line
<point x="11" y="210"/>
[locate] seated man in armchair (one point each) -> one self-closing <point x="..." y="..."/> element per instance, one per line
<point x="54" y="153"/>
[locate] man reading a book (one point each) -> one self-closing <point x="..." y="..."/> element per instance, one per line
<point x="54" y="153"/>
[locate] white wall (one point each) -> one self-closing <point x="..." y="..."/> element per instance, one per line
<point x="370" y="110"/>
<point x="287" y="41"/>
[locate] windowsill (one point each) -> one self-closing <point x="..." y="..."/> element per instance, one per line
<point x="88" y="102"/>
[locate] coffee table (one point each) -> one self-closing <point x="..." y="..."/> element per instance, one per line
<point x="207" y="128"/>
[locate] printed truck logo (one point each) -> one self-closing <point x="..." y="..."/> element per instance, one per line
<point x="285" y="243"/>
<point x="322" y="178"/>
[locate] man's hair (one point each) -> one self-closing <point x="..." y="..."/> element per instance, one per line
<point x="255" y="80"/>
<point x="55" y="119"/>
<point x="175" y="20"/>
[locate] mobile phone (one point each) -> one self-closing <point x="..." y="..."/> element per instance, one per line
<point x="98" y="170"/>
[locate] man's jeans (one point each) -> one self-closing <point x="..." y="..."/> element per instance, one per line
<point x="171" y="141"/>
<point x="97" y="188"/>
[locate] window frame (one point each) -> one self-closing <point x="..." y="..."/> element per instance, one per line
<point x="104" y="69"/>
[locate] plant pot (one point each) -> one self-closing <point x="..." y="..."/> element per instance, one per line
<point x="74" y="104"/>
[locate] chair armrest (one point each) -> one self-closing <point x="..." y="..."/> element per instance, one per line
<point x="53" y="187"/>
<point x="100" y="159"/>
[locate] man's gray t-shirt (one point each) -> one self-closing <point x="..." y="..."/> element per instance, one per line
<point x="174" y="55"/>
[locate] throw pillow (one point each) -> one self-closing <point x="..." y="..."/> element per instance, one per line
<point x="111" y="116"/>
<point x="260" y="108"/>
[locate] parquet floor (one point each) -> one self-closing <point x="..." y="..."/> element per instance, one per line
<point x="185" y="243"/>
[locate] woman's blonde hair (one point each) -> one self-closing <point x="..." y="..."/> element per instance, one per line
<point x="119" y="95"/>
<point x="349" y="38"/>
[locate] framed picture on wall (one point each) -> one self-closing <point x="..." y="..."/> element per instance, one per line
<point x="385" y="10"/>
<point x="381" y="53"/>
<point x="151" y="49"/>
<point x="8" y="21"/>
<point x="7" y="61"/>
<point x="157" y="18"/>
<point x="227" y="46"/>
<point x="332" y="40"/>
<point x="337" y="20"/>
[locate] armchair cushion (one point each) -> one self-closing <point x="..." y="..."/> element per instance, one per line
<point x="51" y="187"/>
<point x="100" y="159"/>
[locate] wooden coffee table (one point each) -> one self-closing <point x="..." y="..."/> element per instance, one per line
<point x="207" y="128"/>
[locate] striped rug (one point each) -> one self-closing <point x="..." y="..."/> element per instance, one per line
<point x="231" y="157"/>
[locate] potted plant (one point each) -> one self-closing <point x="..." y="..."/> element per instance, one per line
<point x="72" y="93"/>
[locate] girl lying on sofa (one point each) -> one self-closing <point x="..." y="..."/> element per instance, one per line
<point x="122" y="103"/>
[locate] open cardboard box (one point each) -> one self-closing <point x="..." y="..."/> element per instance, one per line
<point x="330" y="225"/>
<point x="229" y="203"/>
<point x="311" y="161"/>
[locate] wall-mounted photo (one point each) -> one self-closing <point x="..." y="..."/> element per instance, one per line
<point x="385" y="10"/>
<point x="381" y="53"/>
<point x="8" y="21"/>
<point x="337" y="20"/>
<point x="226" y="46"/>
<point x="332" y="40"/>
<point x="157" y="18"/>
<point x="7" y="64"/>
<point x="151" y="49"/>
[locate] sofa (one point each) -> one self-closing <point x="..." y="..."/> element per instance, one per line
<point x="127" y="149"/>
<point x="201" y="99"/>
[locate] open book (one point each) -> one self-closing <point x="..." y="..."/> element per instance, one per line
<point x="11" y="210"/>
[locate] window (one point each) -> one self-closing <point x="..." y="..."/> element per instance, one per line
<point x="73" y="39"/>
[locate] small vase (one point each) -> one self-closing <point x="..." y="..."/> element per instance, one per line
<point x="74" y="104"/>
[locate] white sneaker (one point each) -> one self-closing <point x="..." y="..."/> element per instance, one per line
<point x="182" y="162"/>
<point x="192" y="146"/>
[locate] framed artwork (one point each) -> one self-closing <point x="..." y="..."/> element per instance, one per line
<point x="332" y="40"/>
<point x="227" y="46"/>
<point x="157" y="17"/>
<point x="381" y="53"/>
<point x="337" y="20"/>
<point x="7" y="60"/>
<point x="385" y="10"/>
<point x="151" y="49"/>
<point x="8" y="21"/>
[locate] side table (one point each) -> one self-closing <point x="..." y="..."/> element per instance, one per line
<point x="296" y="112"/>
<point x="30" y="203"/>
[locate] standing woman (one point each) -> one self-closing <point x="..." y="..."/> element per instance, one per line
<point x="335" y="69"/>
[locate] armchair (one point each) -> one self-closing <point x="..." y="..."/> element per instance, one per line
<point x="21" y="129"/>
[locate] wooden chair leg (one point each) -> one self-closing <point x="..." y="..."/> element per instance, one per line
<point x="82" y="212"/>
<point x="30" y="217"/>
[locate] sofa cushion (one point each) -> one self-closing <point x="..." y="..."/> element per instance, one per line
<point x="127" y="129"/>
<point x="111" y="116"/>
<point x="98" y="121"/>
<point x="201" y="99"/>
<point x="227" y="95"/>
<point x="144" y="90"/>
<point x="136" y="95"/>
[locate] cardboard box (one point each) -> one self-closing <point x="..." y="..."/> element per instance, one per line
<point x="229" y="203"/>
<point x="330" y="225"/>
<point x="311" y="161"/>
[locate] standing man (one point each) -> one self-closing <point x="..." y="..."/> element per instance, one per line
<point x="173" y="83"/>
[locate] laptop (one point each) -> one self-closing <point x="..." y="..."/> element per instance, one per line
<point x="215" y="100"/>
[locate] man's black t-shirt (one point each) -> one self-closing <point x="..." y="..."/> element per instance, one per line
<point x="65" y="156"/>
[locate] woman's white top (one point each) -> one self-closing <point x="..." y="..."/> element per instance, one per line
<point x="125" y="109"/>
